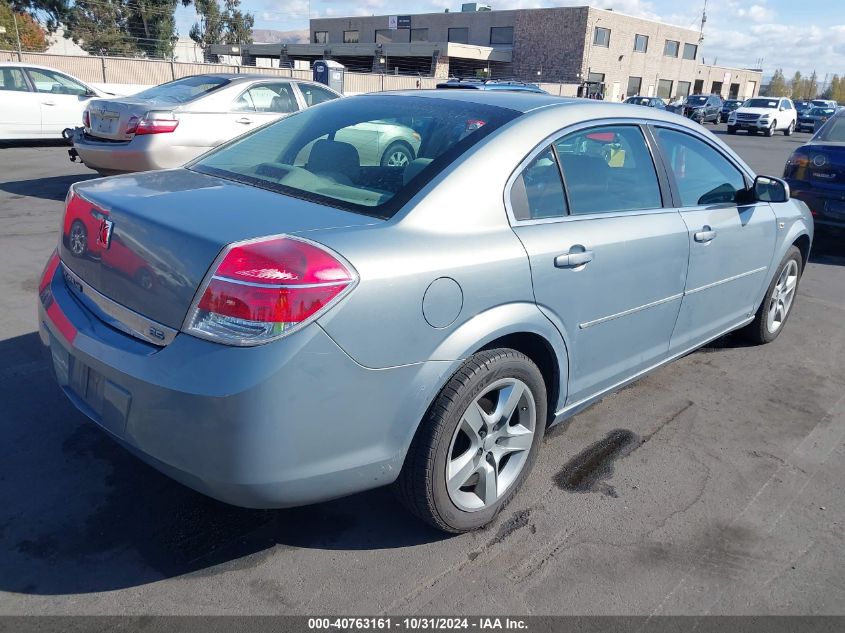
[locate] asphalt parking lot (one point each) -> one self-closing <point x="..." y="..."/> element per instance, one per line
<point x="712" y="486"/>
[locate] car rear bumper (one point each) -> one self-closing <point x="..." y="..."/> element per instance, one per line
<point x="284" y="424"/>
<point x="141" y="153"/>
<point x="827" y="207"/>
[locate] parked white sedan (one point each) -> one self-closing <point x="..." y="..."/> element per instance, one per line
<point x="39" y="102"/>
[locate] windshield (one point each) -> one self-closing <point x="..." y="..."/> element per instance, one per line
<point x="760" y="103"/>
<point x="732" y="104"/>
<point x="367" y="154"/>
<point x="182" y="90"/>
<point x="821" y="111"/>
<point x="638" y="100"/>
<point x="833" y="131"/>
<point x="696" y="100"/>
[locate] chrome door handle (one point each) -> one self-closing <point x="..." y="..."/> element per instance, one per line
<point x="571" y="260"/>
<point x="706" y="234"/>
<point x="244" y="120"/>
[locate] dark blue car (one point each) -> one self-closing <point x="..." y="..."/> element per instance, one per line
<point x="816" y="174"/>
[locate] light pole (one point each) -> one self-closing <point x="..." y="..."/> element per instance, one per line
<point x="17" y="35"/>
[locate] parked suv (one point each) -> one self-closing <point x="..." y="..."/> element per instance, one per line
<point x="764" y="114"/>
<point x="702" y="108"/>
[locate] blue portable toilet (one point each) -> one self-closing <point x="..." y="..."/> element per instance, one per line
<point x="330" y="73"/>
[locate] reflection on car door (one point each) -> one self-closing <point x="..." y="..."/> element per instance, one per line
<point x="21" y="107"/>
<point x="62" y="100"/>
<point x="259" y="104"/>
<point x="731" y="246"/>
<point x="608" y="261"/>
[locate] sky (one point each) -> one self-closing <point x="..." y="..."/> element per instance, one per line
<point x="784" y="33"/>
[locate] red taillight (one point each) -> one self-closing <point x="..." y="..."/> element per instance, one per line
<point x="799" y="159"/>
<point x="86" y="119"/>
<point x="264" y="289"/>
<point x="152" y="123"/>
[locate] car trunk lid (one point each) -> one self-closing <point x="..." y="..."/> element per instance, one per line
<point x="826" y="163"/>
<point x="113" y="119"/>
<point x="146" y="241"/>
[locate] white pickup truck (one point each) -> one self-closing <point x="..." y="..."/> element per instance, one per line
<point x="764" y="114"/>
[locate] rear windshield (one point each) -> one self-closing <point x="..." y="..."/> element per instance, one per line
<point x="821" y="111"/>
<point x="760" y="103"/>
<point x="182" y="90"/>
<point x="367" y="154"/>
<point x="833" y="131"/>
<point x="697" y="100"/>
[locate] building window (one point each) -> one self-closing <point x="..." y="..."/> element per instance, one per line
<point x="595" y="78"/>
<point x="664" y="88"/>
<point x="384" y="36"/>
<point x="634" y="85"/>
<point x="321" y="37"/>
<point x="350" y="37"/>
<point x="419" y="35"/>
<point x="641" y="43"/>
<point x="601" y="37"/>
<point x="501" y="35"/>
<point x="690" y="51"/>
<point x="683" y="89"/>
<point x="459" y="35"/>
<point x="716" y="88"/>
<point x="670" y="49"/>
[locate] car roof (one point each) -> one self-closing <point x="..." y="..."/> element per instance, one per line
<point x="519" y="100"/>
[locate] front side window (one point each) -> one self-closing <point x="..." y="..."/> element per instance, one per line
<point x="314" y="94"/>
<point x="182" y="90"/>
<point x="641" y="43"/>
<point x="12" y="79"/>
<point x="459" y="35"/>
<point x="274" y="98"/>
<point x="608" y="169"/>
<point x="670" y="49"/>
<point x="537" y="193"/>
<point x="419" y="35"/>
<point x="321" y="37"/>
<point x="501" y="35"/>
<point x="703" y="176"/>
<point x="55" y="83"/>
<point x="690" y="51"/>
<point x="350" y="37"/>
<point x="601" y="36"/>
<point x="337" y="154"/>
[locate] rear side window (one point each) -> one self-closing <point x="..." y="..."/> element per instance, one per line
<point x="315" y="94"/>
<point x="183" y="90"/>
<point x="275" y="98"/>
<point x="703" y="176"/>
<point x="12" y="79"/>
<point x="608" y="169"/>
<point x="537" y="193"/>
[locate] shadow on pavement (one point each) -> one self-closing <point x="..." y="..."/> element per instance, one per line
<point x="52" y="188"/>
<point x="80" y="514"/>
<point x="828" y="248"/>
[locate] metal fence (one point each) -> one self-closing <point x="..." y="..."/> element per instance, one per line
<point x="128" y="70"/>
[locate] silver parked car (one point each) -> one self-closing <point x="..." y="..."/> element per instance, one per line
<point x="168" y="125"/>
<point x="278" y="324"/>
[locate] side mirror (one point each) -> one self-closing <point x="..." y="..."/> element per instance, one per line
<point x="770" y="189"/>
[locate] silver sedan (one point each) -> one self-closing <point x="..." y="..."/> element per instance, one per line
<point x="278" y="323"/>
<point x="168" y="125"/>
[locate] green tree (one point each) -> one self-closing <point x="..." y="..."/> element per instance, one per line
<point x="102" y="27"/>
<point x="152" y="25"/>
<point x="811" y="86"/>
<point x="832" y="89"/>
<point x="777" y="86"/>
<point x="32" y="36"/>
<point x="48" y="12"/>
<point x="221" y="25"/>
<point x="796" y="85"/>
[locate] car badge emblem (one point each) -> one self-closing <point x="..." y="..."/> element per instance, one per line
<point x="104" y="234"/>
<point x="819" y="160"/>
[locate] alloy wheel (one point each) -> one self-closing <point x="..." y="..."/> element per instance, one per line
<point x="491" y="444"/>
<point x="397" y="158"/>
<point x="783" y="295"/>
<point x="78" y="239"/>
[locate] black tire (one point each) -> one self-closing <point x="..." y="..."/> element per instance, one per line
<point x="78" y="239"/>
<point x="731" y="129"/>
<point x="789" y="129"/>
<point x="758" y="331"/>
<point x="395" y="149"/>
<point x="770" y="131"/>
<point x="421" y="486"/>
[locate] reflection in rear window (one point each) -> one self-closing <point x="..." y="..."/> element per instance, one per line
<point x="368" y="154"/>
<point x="182" y="90"/>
